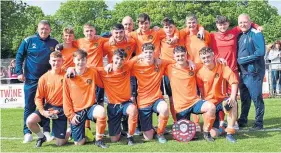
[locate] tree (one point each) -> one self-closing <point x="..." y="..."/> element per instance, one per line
<point x="77" y="13"/>
<point x="272" y="30"/>
<point x="18" y="21"/>
<point x="12" y="15"/>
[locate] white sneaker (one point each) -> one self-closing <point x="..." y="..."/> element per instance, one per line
<point x="48" y="136"/>
<point x="27" y="138"/>
<point x="236" y="126"/>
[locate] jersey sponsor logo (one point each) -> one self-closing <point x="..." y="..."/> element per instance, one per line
<point x="33" y="45"/>
<point x="191" y="73"/>
<point x="89" y="81"/>
<point x="150" y="37"/>
<point x="217" y="75"/>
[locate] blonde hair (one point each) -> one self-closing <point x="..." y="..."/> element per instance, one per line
<point x="56" y="54"/>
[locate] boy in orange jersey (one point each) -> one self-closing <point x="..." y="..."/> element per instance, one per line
<point x="150" y="99"/>
<point x="118" y="34"/>
<point x="119" y="38"/>
<point x="190" y="38"/>
<point x="79" y="100"/>
<point x="193" y="43"/>
<point x="92" y="44"/>
<point x="166" y="53"/>
<point x="67" y="48"/>
<point x="50" y="90"/>
<point x="184" y="88"/>
<point x="211" y="81"/>
<point x="119" y="102"/>
<point x="146" y="35"/>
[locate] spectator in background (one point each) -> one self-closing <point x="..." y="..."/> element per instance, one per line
<point x="12" y="72"/>
<point x="274" y="55"/>
<point x="3" y="75"/>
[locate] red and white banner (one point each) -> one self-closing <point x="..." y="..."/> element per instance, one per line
<point x="11" y="95"/>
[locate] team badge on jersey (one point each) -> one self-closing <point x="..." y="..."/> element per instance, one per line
<point x="124" y="73"/>
<point x="33" y="45"/>
<point x="128" y="48"/>
<point x="217" y="75"/>
<point x="96" y="45"/>
<point x="156" y="68"/>
<point x="230" y="36"/>
<point x="191" y="73"/>
<point x="150" y="37"/>
<point x="89" y="81"/>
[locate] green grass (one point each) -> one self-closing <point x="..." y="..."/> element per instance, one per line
<point x="263" y="141"/>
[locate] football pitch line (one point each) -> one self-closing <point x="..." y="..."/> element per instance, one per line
<point x="239" y="131"/>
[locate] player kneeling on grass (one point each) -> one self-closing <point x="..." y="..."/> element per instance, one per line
<point x="184" y="89"/>
<point x="50" y="89"/>
<point x="79" y="100"/>
<point x="117" y="88"/>
<point x="211" y="80"/>
<point x="149" y="75"/>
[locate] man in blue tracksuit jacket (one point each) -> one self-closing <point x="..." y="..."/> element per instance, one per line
<point x="251" y="51"/>
<point x="35" y="50"/>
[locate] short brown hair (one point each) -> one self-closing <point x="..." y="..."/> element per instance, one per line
<point x="143" y="17"/>
<point x="120" y="52"/>
<point x="205" y="50"/>
<point x="68" y="30"/>
<point x="56" y="54"/>
<point x="179" y="49"/>
<point x="81" y="53"/>
<point x="191" y="17"/>
<point x="221" y="19"/>
<point x="167" y="21"/>
<point x="148" y="46"/>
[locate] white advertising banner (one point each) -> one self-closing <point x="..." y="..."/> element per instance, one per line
<point x="11" y="95"/>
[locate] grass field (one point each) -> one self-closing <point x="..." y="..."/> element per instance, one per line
<point x="258" y="141"/>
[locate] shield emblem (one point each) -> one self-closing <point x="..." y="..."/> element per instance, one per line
<point x="89" y="81"/>
<point x="150" y="37"/>
<point x="183" y="130"/>
<point x="217" y="75"/>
